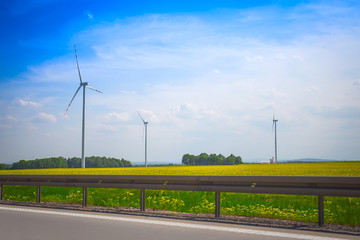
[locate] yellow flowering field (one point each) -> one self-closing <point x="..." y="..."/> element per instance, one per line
<point x="338" y="210"/>
<point x="346" y="168"/>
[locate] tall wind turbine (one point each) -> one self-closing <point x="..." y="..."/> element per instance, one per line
<point x="145" y="130"/>
<point x="274" y="125"/>
<point x="83" y="85"/>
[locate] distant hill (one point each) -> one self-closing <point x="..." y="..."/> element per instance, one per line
<point x="308" y="160"/>
<point x="154" y="164"/>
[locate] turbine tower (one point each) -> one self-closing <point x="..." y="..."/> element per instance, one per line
<point x="83" y="85"/>
<point x="145" y="130"/>
<point x="274" y="125"/>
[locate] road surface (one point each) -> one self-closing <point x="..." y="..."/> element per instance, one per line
<point x="27" y="223"/>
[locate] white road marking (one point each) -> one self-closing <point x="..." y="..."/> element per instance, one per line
<point x="175" y="224"/>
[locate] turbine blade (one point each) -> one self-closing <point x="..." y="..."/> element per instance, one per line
<point x="149" y="117"/>
<point x="273" y="121"/>
<point x="141" y="117"/>
<point x="77" y="63"/>
<point x="72" y="99"/>
<point x="94" y="89"/>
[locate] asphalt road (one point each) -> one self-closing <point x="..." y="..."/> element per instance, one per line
<point x="27" y="223"/>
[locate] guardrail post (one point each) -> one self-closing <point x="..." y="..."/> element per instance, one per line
<point x="217" y="204"/>
<point x="1" y="191"/>
<point x="84" y="203"/>
<point x="142" y="200"/>
<point x="38" y="194"/>
<point x="321" y="210"/>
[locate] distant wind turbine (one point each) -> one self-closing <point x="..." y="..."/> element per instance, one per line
<point x="145" y="130"/>
<point x="84" y="85"/>
<point x="274" y="125"/>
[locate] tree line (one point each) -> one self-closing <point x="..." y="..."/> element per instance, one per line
<point x="61" y="162"/>
<point x="212" y="159"/>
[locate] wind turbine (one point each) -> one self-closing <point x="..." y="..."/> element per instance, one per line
<point x="274" y="125"/>
<point x="83" y="85"/>
<point x="145" y="126"/>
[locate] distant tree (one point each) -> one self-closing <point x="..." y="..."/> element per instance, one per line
<point x="238" y="160"/>
<point x="126" y="163"/>
<point x="203" y="159"/>
<point x="212" y="159"/>
<point x="221" y="159"/>
<point x="22" y="164"/>
<point x="54" y="162"/>
<point x="61" y="162"/>
<point x="193" y="159"/>
<point x="229" y="160"/>
<point x="98" y="162"/>
<point x="185" y="160"/>
<point x="3" y="166"/>
<point x="74" y="162"/>
<point x="189" y="159"/>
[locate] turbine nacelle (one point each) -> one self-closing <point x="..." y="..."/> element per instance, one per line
<point x="145" y="121"/>
<point x="274" y="122"/>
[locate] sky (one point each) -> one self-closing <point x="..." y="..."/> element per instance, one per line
<point x="210" y="75"/>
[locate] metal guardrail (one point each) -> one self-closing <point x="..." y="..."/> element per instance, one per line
<point x="318" y="186"/>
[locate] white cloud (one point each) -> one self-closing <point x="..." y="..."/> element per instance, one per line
<point x="356" y="83"/>
<point x="191" y="111"/>
<point x="46" y="117"/>
<point x="107" y="127"/>
<point x="254" y="58"/>
<point x="280" y="56"/>
<point x="89" y="15"/>
<point x="328" y="112"/>
<point x="25" y="103"/>
<point x="8" y="121"/>
<point x="49" y="72"/>
<point x="298" y="58"/>
<point x="113" y="116"/>
<point x="11" y="118"/>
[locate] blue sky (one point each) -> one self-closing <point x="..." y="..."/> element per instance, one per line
<point x="211" y="74"/>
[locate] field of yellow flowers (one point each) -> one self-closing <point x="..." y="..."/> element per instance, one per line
<point x="346" y="168"/>
<point x="338" y="210"/>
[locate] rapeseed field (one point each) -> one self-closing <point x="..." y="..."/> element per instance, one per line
<point x="348" y="168"/>
<point x="339" y="210"/>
